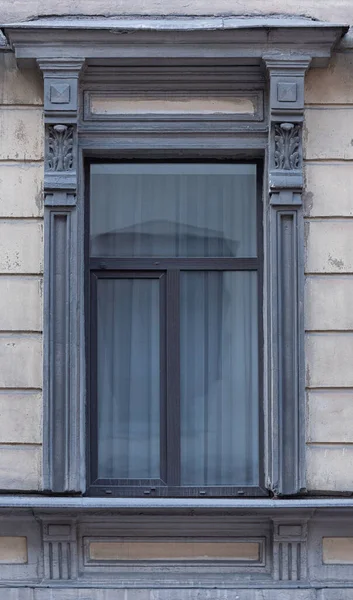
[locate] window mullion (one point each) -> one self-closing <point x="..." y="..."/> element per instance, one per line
<point x="173" y="376"/>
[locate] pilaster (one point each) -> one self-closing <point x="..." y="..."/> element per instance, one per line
<point x="63" y="461"/>
<point x="285" y="267"/>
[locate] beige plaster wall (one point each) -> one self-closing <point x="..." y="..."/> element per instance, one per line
<point x="21" y="268"/>
<point x="328" y="10"/>
<point x="329" y="274"/>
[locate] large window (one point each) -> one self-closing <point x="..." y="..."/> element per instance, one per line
<point x="175" y="329"/>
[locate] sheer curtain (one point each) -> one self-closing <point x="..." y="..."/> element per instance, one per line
<point x="219" y="375"/>
<point x="185" y="210"/>
<point x="178" y="210"/>
<point x="128" y="378"/>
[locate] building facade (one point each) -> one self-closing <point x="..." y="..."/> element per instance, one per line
<point x="176" y="276"/>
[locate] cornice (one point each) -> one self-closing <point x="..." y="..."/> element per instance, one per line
<point x="193" y="37"/>
<point x="172" y="22"/>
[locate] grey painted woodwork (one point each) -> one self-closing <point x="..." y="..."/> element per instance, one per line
<point x="63" y="415"/>
<point x="188" y="60"/>
<point x="201" y="38"/>
<point x="286" y="273"/>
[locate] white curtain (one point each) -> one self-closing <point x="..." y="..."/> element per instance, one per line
<point x="195" y="210"/>
<point x="178" y="210"/>
<point x="128" y="378"/>
<point x="219" y="378"/>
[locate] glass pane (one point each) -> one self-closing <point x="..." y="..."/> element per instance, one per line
<point x="219" y="378"/>
<point x="128" y="378"/>
<point x="194" y="210"/>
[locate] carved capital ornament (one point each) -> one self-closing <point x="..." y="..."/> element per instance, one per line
<point x="60" y="156"/>
<point x="287" y="150"/>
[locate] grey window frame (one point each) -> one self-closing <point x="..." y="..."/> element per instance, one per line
<point x="165" y="268"/>
<point x="67" y="49"/>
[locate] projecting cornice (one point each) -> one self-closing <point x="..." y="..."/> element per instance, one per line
<point x="172" y="37"/>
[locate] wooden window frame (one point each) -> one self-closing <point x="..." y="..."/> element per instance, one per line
<point x="168" y="270"/>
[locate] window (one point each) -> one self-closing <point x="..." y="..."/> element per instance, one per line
<point x="175" y="272"/>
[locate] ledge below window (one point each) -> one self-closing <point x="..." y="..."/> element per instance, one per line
<point x="59" y="502"/>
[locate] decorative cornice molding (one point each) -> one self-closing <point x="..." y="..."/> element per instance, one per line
<point x="192" y="37"/>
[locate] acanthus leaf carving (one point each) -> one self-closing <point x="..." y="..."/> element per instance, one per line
<point x="60" y="148"/>
<point x="287" y="152"/>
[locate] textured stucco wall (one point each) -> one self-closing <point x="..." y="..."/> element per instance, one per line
<point x="21" y="267"/>
<point x="328" y="10"/>
<point x="329" y="269"/>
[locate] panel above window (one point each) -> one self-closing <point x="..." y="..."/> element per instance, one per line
<point x="162" y="104"/>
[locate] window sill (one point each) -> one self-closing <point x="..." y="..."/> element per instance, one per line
<point x="59" y="502"/>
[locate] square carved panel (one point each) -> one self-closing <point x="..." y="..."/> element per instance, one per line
<point x="286" y="92"/>
<point x="59" y="93"/>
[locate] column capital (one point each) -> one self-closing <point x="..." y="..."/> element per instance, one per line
<point x="286" y="115"/>
<point x="61" y="85"/>
<point x="61" y="88"/>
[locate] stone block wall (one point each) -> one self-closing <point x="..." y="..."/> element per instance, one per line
<point x="21" y="269"/>
<point x="329" y="274"/>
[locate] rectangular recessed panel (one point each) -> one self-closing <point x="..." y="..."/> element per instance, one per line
<point x="13" y="550"/>
<point x="290" y="530"/>
<point x="58" y="530"/>
<point x="174" y="550"/>
<point x="172" y="105"/>
<point x="337" y="550"/>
